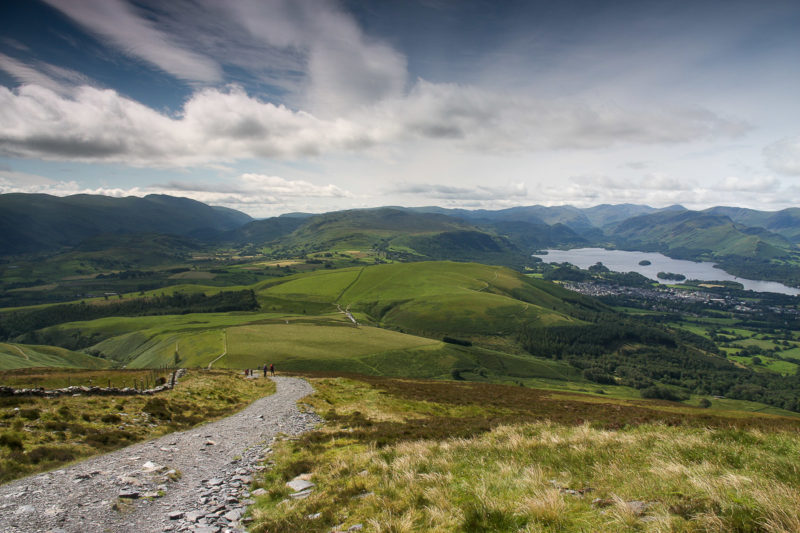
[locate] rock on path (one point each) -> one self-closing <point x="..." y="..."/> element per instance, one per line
<point x="196" y="480"/>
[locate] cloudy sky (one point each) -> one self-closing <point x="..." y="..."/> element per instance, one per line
<point x="291" y="105"/>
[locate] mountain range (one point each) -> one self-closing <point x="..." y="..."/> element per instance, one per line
<point x="743" y="239"/>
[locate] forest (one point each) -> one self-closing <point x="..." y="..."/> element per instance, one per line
<point x="647" y="358"/>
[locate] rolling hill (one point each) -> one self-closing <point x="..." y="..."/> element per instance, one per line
<point x="404" y="311"/>
<point x="44" y="223"/>
<point x="13" y="355"/>
<point x="399" y="233"/>
<point x="421" y="319"/>
<point x="785" y="222"/>
<point x="698" y="235"/>
<point x="435" y="298"/>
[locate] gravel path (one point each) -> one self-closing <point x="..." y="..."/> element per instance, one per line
<point x="197" y="480"/>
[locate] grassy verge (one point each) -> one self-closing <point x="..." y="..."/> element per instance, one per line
<point x="401" y="455"/>
<point x="38" y="434"/>
<point x="56" y="378"/>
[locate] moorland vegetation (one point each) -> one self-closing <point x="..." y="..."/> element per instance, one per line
<point x="404" y="455"/>
<point x="673" y="407"/>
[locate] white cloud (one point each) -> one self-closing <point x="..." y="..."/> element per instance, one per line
<point x="652" y="181"/>
<point x="483" y="193"/>
<point x="499" y="122"/>
<point x="214" y="126"/>
<point x="753" y="184"/>
<point x="251" y="185"/>
<point x="118" y="23"/>
<point x="225" y="125"/>
<point x="15" y="181"/>
<point x="307" y="46"/>
<point x="19" y="182"/>
<point x="345" y="69"/>
<point x="784" y="156"/>
<point x="52" y="77"/>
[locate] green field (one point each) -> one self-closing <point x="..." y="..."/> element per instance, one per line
<point x="24" y="355"/>
<point x="432" y="298"/>
<point x="492" y="317"/>
<point x="768" y="364"/>
<point x="295" y="342"/>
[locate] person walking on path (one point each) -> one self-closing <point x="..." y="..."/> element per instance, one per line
<point x="272" y="369"/>
<point x="265" y="369"/>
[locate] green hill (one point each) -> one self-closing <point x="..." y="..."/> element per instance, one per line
<point x="262" y="231"/>
<point x="785" y="222"/>
<point x="404" y="310"/>
<point x="400" y="234"/>
<point x="698" y="235"/>
<point x="292" y="342"/>
<point x="435" y="298"/>
<point x="13" y="355"/>
<point x="40" y="222"/>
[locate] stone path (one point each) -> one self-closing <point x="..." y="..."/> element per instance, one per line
<point x="197" y="480"/>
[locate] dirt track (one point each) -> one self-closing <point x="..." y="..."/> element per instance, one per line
<point x="212" y="462"/>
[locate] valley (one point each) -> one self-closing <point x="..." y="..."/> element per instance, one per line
<point x="429" y="293"/>
<point x="415" y="330"/>
<point x="426" y="266"/>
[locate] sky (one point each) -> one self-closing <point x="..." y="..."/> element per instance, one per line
<point x="277" y="106"/>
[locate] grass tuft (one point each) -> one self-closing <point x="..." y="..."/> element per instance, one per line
<point x="58" y="430"/>
<point x="385" y="460"/>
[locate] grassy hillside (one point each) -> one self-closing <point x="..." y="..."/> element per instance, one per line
<point x="300" y="327"/>
<point x="297" y="342"/>
<point x="437" y="298"/>
<point x="13" y="355"/>
<point x="785" y="222"/>
<point x="399" y="234"/>
<point x="695" y="235"/>
<point x="40" y="222"/>
<point x="407" y="455"/>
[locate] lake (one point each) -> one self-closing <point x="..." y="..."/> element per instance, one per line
<point x="622" y="261"/>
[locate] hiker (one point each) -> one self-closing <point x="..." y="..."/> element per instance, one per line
<point x="265" y="369"/>
<point x="272" y="369"/>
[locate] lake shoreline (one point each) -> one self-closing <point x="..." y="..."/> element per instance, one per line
<point x="631" y="261"/>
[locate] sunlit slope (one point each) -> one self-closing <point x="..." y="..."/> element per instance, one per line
<point x="297" y="342"/>
<point x="28" y="356"/>
<point x="434" y="298"/>
<point x="695" y="234"/>
<point x="404" y="312"/>
<point x="365" y="228"/>
<point x="309" y="345"/>
<point x="148" y="341"/>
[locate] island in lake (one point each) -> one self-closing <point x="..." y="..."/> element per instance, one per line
<point x="671" y="276"/>
<point x="645" y="262"/>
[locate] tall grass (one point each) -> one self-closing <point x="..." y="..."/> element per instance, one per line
<point x="536" y="475"/>
<point x="38" y="434"/>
